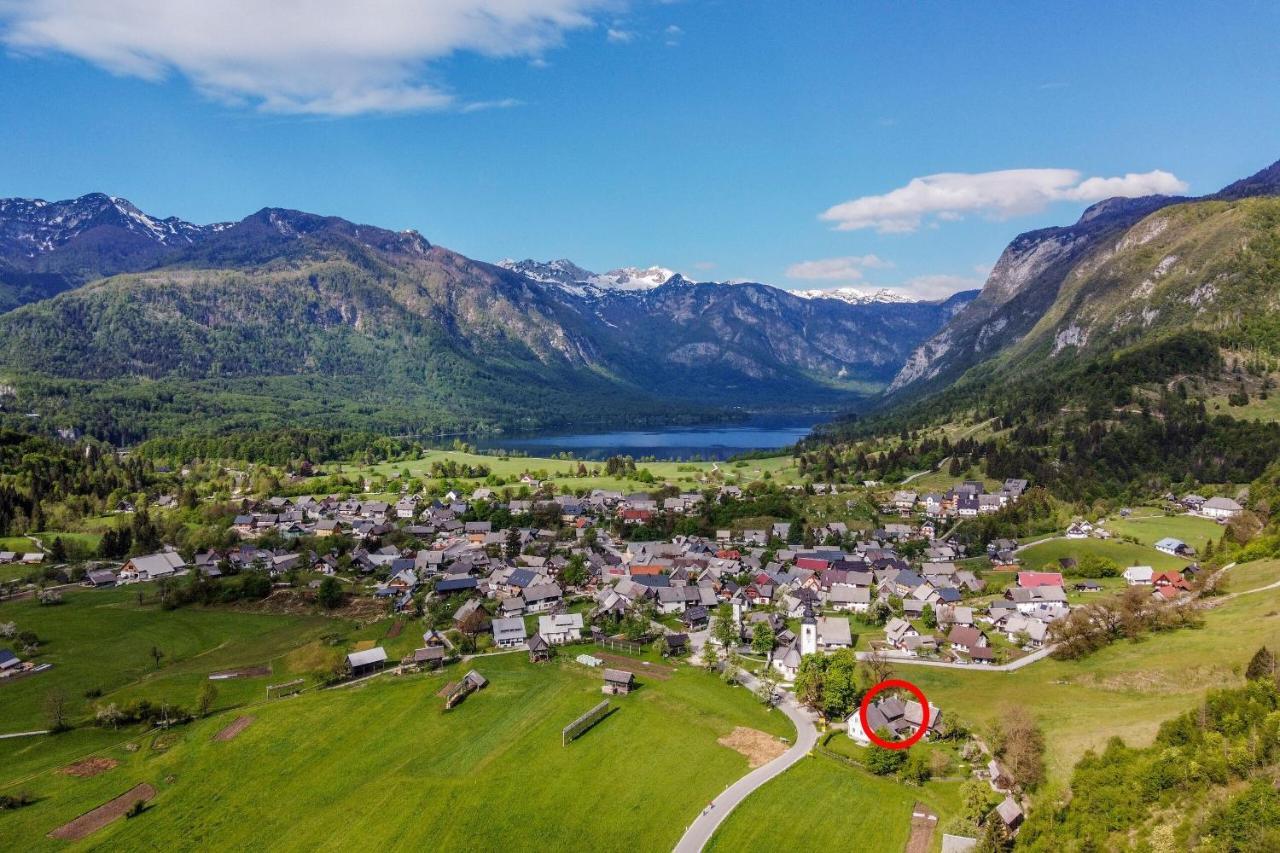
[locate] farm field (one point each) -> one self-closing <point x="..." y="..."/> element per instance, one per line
<point x="381" y="765"/>
<point x="823" y="804"/>
<point x="101" y="640"/>
<point x="1123" y="554"/>
<point x="1140" y="684"/>
<point x="1193" y="530"/>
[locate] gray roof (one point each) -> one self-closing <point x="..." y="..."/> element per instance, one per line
<point x="375" y="655"/>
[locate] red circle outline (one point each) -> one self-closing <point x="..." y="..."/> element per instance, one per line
<point x="889" y="685"/>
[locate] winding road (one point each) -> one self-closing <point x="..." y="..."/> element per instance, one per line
<point x="700" y="831"/>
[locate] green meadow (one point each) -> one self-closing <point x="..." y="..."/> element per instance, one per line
<point x="1126" y="689"/>
<point x="1149" y="530"/>
<point x="1044" y="554"/>
<point x="101" y="641"/>
<point x="382" y="765"/>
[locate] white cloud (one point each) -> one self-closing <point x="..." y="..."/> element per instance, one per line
<point x="500" y="104"/>
<point x="673" y="34"/>
<point x="327" y="57"/>
<point x="617" y="35"/>
<point x="997" y="195"/>
<point x="935" y="286"/>
<point x="848" y="268"/>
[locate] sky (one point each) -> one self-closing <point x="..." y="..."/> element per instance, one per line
<point x="804" y="144"/>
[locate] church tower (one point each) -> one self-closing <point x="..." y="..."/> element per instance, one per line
<point x="808" y="633"/>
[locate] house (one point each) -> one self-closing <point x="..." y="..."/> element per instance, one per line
<point x="834" y="633"/>
<point x="1138" y="575"/>
<point x="891" y="714"/>
<point x="695" y="618"/>
<point x="430" y="657"/>
<point x="99" y="578"/>
<point x="1175" y="547"/>
<point x="561" y="628"/>
<point x="1079" y="530"/>
<point x="618" y="682"/>
<point x="367" y="661"/>
<point x="152" y="567"/>
<point x="965" y="640"/>
<point x="540" y="598"/>
<point x="897" y="631"/>
<point x="1221" y="508"/>
<point x="509" y="633"/>
<point x="1028" y="580"/>
<point x="1010" y="812"/>
<point x="849" y="598"/>
<point x="539" y="649"/>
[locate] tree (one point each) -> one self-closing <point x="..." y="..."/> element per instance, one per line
<point x="55" y="710"/>
<point x="917" y="769"/>
<point x="928" y="617"/>
<point x="810" y="681"/>
<point x="884" y="762"/>
<point x="58" y="551"/>
<point x="710" y="657"/>
<point x="473" y="623"/>
<point x="207" y="696"/>
<point x="842" y="685"/>
<point x="995" y="837"/>
<point x="513" y="543"/>
<point x="1261" y="665"/>
<point x="1019" y="743"/>
<point x="661" y="646"/>
<point x="575" y="572"/>
<point x="767" y="686"/>
<point x="156" y="655"/>
<point x="330" y="593"/>
<point x="762" y="638"/>
<point x="723" y="628"/>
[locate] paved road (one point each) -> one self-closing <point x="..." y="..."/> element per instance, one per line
<point x="700" y="831"/>
<point x="1039" y="654"/>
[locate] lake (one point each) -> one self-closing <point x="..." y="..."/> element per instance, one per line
<point x="714" y="441"/>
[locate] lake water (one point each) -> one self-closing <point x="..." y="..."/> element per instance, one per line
<point x="715" y="441"/>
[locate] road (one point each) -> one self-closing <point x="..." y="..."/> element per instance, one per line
<point x="700" y="831"/>
<point x="1039" y="654"/>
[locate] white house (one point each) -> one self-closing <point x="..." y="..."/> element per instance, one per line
<point x="561" y="628"/>
<point x="152" y="567"/>
<point x="1138" y="575"/>
<point x="1221" y="508"/>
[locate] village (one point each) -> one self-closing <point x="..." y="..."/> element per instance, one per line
<point x="484" y="572"/>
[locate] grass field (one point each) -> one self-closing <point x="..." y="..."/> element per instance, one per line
<point x="692" y="475"/>
<point x="1122" y="553"/>
<point x="1191" y="529"/>
<point x="823" y="804"/>
<point x="1127" y="689"/>
<point x="102" y="640"/>
<point x="381" y="765"/>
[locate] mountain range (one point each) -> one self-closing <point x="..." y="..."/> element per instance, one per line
<point x="1129" y="269"/>
<point x="123" y="325"/>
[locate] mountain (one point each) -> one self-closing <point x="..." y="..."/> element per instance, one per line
<point x="288" y="317"/>
<point x="855" y="296"/>
<point x="48" y="247"/>
<point x="1098" y="283"/>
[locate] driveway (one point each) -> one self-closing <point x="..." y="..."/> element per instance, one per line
<point x="700" y="831"/>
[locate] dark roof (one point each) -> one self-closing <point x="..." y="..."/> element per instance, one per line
<point x="456" y="584"/>
<point x="619" y="676"/>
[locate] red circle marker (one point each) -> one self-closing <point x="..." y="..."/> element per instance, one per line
<point x="889" y="685"/>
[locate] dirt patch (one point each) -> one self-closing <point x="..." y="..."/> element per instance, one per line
<point x="758" y="747"/>
<point x="655" y="671"/>
<point x="923" y="823"/>
<point x="365" y="645"/>
<point x="90" y="767"/>
<point x="291" y="602"/>
<point x="240" y="724"/>
<point x="90" y="822"/>
<point x="395" y="630"/>
<point x="243" y="672"/>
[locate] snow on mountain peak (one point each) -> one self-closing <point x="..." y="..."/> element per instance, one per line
<point x="574" y="279"/>
<point x="854" y="296"/>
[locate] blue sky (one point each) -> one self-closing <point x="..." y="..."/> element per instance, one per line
<point x="709" y="137"/>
